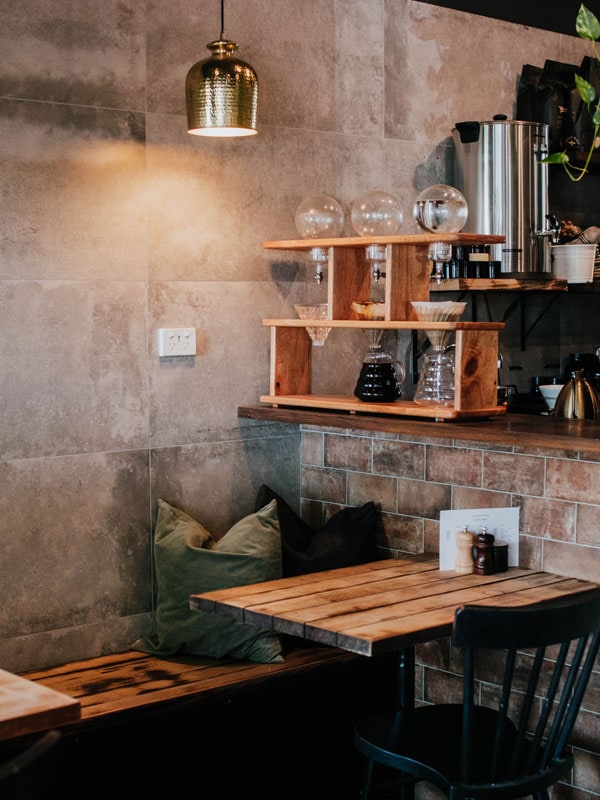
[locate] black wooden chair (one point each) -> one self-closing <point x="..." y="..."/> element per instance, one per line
<point x="29" y="771"/>
<point x="503" y="741"/>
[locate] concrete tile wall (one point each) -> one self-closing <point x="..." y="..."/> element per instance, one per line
<point x="115" y="221"/>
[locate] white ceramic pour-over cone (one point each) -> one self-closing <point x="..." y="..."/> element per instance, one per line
<point x="436" y="382"/>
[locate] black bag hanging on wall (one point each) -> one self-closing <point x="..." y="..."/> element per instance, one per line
<point x="526" y="92"/>
<point x="544" y="95"/>
<point x="582" y="126"/>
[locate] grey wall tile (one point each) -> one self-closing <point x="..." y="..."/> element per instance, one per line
<point x="74" y="192"/>
<point x="85" y="53"/>
<point x="216" y="482"/>
<point x="74" y="381"/>
<point x="75" y="535"/>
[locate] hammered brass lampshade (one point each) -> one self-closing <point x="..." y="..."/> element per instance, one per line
<point x="221" y="92"/>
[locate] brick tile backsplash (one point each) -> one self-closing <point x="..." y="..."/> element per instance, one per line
<point x="571" y="559"/>
<point x="550" y="519"/>
<point x="402" y="459"/>
<point x="469" y="497"/>
<point x="412" y="479"/>
<point x="578" y="481"/>
<point x="311" y="448"/>
<point x="423" y="498"/>
<point x="588" y="529"/>
<point x="323" y="484"/>
<point x="348" y="452"/>
<point x="507" y="472"/>
<point x="587" y="770"/>
<point x="363" y="487"/>
<point x="401" y="533"/>
<point x="558" y="498"/>
<point x="454" y="465"/>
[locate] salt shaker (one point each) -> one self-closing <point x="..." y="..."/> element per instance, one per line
<point x="464" y="552"/>
<point x="484" y="553"/>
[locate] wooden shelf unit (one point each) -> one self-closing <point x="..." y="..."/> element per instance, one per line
<point x="407" y="268"/>
<point x="407" y="279"/>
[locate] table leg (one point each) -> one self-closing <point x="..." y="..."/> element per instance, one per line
<point x="405" y="666"/>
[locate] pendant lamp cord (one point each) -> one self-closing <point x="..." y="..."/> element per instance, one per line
<point x="222" y="19"/>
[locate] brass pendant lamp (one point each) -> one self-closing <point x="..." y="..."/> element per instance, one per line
<point x="221" y="92"/>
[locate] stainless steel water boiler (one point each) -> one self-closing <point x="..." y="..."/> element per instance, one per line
<point x="497" y="168"/>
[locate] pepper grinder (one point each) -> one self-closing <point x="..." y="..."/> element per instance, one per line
<point x="464" y="552"/>
<point x="484" y="553"/>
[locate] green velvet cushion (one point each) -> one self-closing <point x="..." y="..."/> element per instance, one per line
<point x="189" y="561"/>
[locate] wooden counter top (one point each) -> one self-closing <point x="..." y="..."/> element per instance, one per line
<point x="524" y="431"/>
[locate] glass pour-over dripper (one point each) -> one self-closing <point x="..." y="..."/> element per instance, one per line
<point x="436" y="380"/>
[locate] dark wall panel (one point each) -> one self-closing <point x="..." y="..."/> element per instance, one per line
<point x="559" y="17"/>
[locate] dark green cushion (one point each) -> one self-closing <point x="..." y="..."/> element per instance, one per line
<point x="188" y="561"/>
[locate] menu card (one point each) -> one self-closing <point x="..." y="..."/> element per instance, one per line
<point x="503" y="523"/>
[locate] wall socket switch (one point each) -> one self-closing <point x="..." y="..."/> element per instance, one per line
<point x="176" y="342"/>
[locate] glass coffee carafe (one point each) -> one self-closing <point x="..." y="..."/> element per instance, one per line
<point x="381" y="374"/>
<point x="436" y="379"/>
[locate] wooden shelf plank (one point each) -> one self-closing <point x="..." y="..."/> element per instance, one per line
<point x="385" y="324"/>
<point x="363" y="241"/>
<point x="407" y="408"/>
<point x="500" y="284"/>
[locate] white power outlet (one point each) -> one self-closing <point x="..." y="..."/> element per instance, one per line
<point x="176" y="342"/>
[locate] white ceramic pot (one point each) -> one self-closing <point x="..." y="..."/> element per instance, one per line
<point x="574" y="262"/>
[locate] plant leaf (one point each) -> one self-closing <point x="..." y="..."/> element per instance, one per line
<point x="556" y="158"/>
<point x="585" y="89"/>
<point x="596" y="116"/>
<point x="587" y="24"/>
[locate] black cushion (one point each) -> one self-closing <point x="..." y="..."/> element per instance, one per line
<point x="346" y="539"/>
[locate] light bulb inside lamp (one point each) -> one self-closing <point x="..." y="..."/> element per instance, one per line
<point x="376" y="213"/>
<point x="440" y="209"/>
<point x="319" y="217"/>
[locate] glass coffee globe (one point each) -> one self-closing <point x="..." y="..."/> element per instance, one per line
<point x="319" y="217"/>
<point x="376" y="213"/>
<point x="440" y="209"/>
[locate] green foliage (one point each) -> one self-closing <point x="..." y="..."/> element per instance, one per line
<point x="588" y="27"/>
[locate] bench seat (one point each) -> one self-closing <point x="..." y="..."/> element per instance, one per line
<point x="122" y="684"/>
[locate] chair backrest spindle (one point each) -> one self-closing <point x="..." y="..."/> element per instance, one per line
<point x="540" y="693"/>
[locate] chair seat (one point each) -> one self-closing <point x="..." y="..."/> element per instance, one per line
<point x="425" y="742"/>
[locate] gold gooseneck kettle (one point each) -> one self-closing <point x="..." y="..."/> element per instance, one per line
<point x="577" y="399"/>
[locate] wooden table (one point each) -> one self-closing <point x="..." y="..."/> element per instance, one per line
<point x="27" y="707"/>
<point x="382" y="606"/>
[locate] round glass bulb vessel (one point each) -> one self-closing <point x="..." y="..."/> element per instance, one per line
<point x="441" y="209"/>
<point x="319" y="217"/>
<point x="376" y="213"/>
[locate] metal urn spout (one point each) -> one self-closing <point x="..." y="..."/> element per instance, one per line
<point x="577" y="399"/>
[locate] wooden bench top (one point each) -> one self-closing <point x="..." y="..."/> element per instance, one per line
<point x="132" y="681"/>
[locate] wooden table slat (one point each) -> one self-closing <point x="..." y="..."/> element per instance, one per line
<point x="27" y="707"/>
<point x="380" y="606"/>
<point x="302" y="585"/>
<point x="375" y="595"/>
